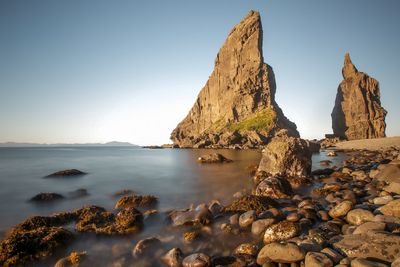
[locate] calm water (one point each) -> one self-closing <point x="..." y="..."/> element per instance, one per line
<point x="173" y="175"/>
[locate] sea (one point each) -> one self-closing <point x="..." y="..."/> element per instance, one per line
<point x="174" y="176"/>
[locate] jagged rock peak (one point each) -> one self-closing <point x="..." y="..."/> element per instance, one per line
<point x="358" y="113"/>
<point x="348" y="68"/>
<point x="236" y="107"/>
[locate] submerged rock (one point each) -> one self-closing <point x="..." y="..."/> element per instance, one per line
<point x="66" y="173"/>
<point x="135" y="201"/>
<point x="46" y="197"/>
<point x="201" y="215"/>
<point x="286" y="156"/>
<point x="237" y="105"/>
<point x="358" y="113"/>
<point x="73" y="260"/>
<point x="197" y="260"/>
<point x="145" y="246"/>
<point x="81" y="192"/>
<point x="173" y="258"/>
<point x="213" y="158"/>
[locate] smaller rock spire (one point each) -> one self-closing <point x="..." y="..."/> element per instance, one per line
<point x="348" y="68"/>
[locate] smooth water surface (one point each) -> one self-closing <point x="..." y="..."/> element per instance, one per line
<point x="173" y="175"/>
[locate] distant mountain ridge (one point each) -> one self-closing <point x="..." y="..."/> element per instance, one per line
<point x="108" y="144"/>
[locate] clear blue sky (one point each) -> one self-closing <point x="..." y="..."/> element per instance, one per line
<point x="96" y="71"/>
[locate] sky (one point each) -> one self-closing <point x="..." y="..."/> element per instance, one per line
<point x="82" y="71"/>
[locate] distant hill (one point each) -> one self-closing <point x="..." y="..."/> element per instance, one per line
<point x="108" y="144"/>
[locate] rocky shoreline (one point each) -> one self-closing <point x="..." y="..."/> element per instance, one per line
<point x="347" y="216"/>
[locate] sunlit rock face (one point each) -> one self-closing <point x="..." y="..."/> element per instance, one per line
<point x="358" y="113"/>
<point x="237" y="105"/>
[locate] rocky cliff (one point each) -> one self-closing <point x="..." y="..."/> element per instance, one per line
<point x="358" y="113"/>
<point x="236" y="107"/>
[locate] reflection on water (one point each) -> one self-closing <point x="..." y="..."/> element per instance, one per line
<point x="174" y="176"/>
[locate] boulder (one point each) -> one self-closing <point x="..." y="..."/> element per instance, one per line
<point x="358" y="113"/>
<point x="372" y="244"/>
<point x="236" y="107"/>
<point x="317" y="259"/>
<point x="197" y="260"/>
<point x="281" y="253"/>
<point x="341" y="209"/>
<point x="281" y="231"/>
<point x="392" y="208"/>
<point x="173" y="258"/>
<point x="213" y="158"/>
<point x="286" y="156"/>
<point x="274" y="187"/>
<point x="359" y="216"/>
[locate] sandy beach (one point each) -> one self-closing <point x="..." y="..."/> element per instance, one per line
<point x="370" y="144"/>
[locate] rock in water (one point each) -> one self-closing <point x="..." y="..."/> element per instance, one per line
<point x="358" y="113"/>
<point x="286" y="156"/>
<point x="237" y="105"/>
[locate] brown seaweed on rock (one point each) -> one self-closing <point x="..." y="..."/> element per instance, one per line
<point x="251" y="202"/>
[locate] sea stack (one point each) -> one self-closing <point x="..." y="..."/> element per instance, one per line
<point x="358" y="113"/>
<point x="236" y="108"/>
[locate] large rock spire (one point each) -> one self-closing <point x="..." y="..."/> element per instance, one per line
<point x="358" y="113"/>
<point x="237" y="105"/>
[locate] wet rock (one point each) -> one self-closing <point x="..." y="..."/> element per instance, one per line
<point x="293" y="217"/>
<point x="66" y="173"/>
<point x="392" y="208"/>
<point x="73" y="260"/>
<point x="136" y="201"/>
<point x="251" y="202"/>
<point x="213" y="158"/>
<point x="331" y="154"/>
<point x="274" y="187"/>
<point x="341" y="209"/>
<point x="129" y="220"/>
<point x="281" y="231"/>
<point x="78" y="193"/>
<point x="189" y="237"/>
<point x="229" y="261"/>
<point x="145" y="246"/>
<point x="95" y="219"/>
<point x="325" y="162"/>
<point x="197" y="260"/>
<point x="286" y="156"/>
<point x="359" y="175"/>
<point x="333" y="255"/>
<point x="246" y="249"/>
<point x="373" y="244"/>
<point x="47" y="197"/>
<point x="23" y="246"/>
<point x="393" y="187"/>
<point x="358" y="262"/>
<point x="259" y="226"/>
<point x="173" y="258"/>
<point x="234" y="219"/>
<point x="317" y="259"/>
<point x="369" y="226"/>
<point x="382" y="200"/>
<point x="123" y="192"/>
<point x="359" y="216"/>
<point x="247" y="218"/>
<point x="216" y="208"/>
<point x="199" y="215"/>
<point x="281" y="253"/>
